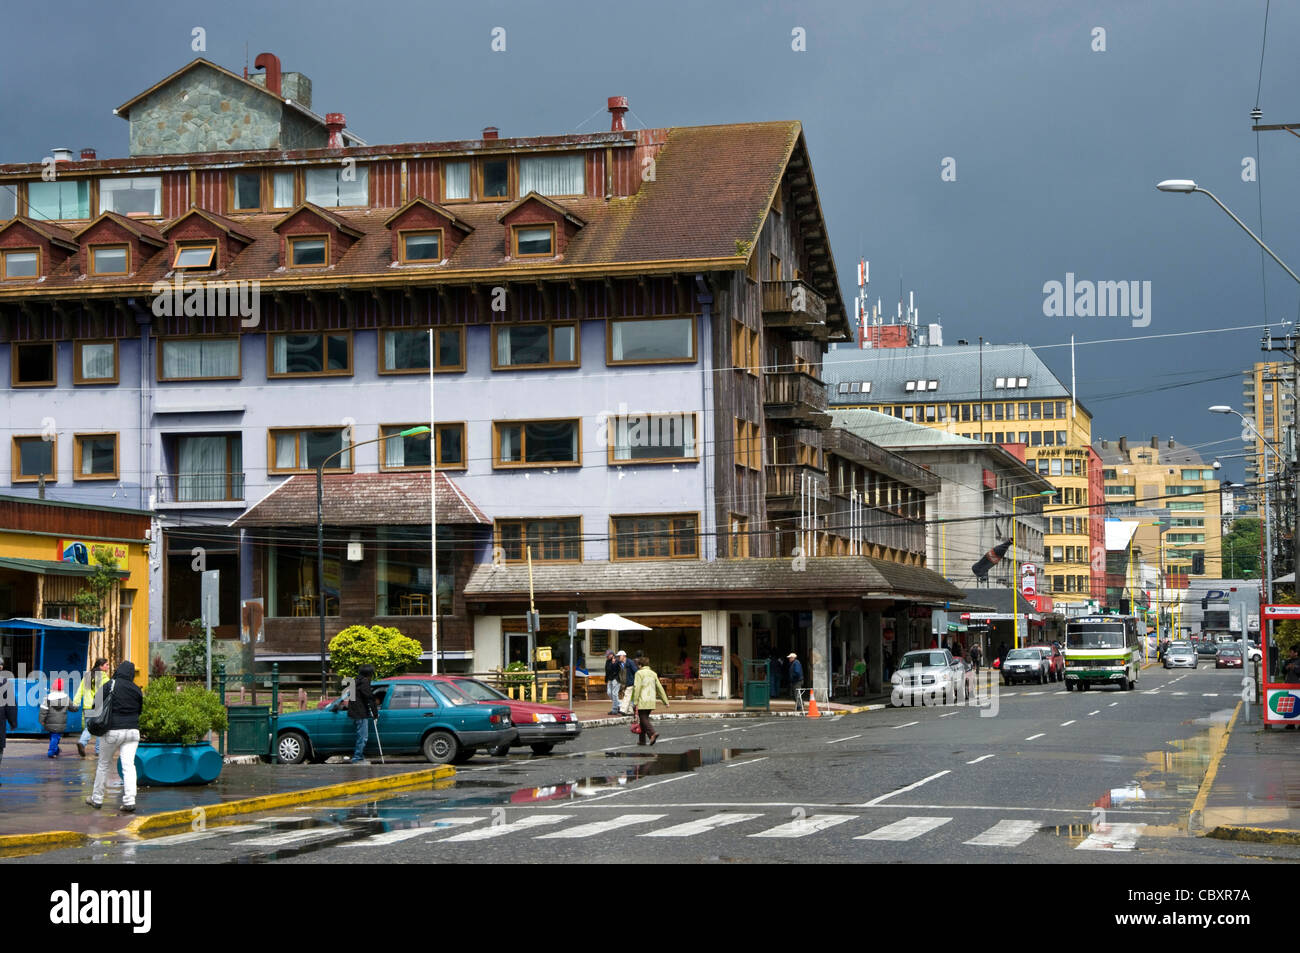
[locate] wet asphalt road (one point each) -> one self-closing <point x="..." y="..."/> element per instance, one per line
<point x="1037" y="775"/>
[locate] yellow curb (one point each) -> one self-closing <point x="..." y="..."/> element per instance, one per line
<point x="268" y="802"/>
<point x="43" y="839"/>
<point x="1259" y="835"/>
<point x="1198" y="806"/>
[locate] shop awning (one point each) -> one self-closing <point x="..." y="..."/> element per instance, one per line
<point x="47" y="625"/>
<point x="54" y="567"/>
<point x="363" y="499"/>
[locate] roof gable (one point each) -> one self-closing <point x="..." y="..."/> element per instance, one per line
<point x="417" y="203"/>
<point x="135" y="229"/>
<point x="328" y="219"/>
<point x="533" y="197"/>
<point x="218" y="222"/>
<point x="44" y="232"/>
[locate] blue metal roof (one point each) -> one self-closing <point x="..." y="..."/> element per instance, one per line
<point x="48" y="625"/>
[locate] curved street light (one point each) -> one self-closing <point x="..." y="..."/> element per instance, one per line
<point x="1187" y="186"/>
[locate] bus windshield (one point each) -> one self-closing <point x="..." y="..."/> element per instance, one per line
<point x="1095" y="636"/>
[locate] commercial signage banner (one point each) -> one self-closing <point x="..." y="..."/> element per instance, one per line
<point x="83" y="552"/>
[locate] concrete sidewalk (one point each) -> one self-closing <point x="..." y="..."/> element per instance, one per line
<point x="1252" y="788"/>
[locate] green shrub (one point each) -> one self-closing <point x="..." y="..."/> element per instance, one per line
<point x="517" y="673"/>
<point x="390" y="652"/>
<point x="179" y="717"/>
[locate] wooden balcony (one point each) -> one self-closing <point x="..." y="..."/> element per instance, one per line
<point x="793" y="306"/>
<point x="784" y="483"/>
<point x="795" y="398"/>
<point x="878" y="527"/>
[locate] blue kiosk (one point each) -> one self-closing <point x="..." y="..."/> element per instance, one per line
<point x="37" y="651"/>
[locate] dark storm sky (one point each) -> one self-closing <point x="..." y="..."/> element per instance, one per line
<point x="1057" y="147"/>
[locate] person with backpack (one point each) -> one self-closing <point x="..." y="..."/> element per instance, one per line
<point x="119" y="701"/>
<point x="361" y="709"/>
<point x="53" y="716"/>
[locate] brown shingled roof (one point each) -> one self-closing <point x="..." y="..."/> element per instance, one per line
<point x="362" y="499"/>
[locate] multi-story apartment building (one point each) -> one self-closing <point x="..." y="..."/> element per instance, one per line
<point x="1003" y="395"/>
<point x="1173" y="493"/>
<point x="620" y="335"/>
<point x="1267" y="398"/>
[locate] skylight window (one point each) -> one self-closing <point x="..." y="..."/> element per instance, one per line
<point x="911" y="385"/>
<point x="932" y="385"/>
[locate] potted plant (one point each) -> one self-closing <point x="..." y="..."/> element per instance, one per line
<point x="173" y="726"/>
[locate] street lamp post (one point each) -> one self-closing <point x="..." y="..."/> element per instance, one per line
<point x="1015" y="562"/>
<point x="1188" y="186"/>
<point x="320" y="530"/>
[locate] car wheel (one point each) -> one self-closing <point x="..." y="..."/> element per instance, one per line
<point x="500" y="751"/>
<point x="292" y="747"/>
<point x="440" y="747"/>
<point x="1123" y="684"/>
<point x="463" y="755"/>
<point x="542" y="747"/>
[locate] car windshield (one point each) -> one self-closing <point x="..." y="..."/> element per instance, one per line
<point x="479" y="691"/>
<point x="1023" y="653"/>
<point x="448" y="692"/>
<point x="923" y="658"/>
<point x="1094" y="636"/>
<point x="1229" y="650"/>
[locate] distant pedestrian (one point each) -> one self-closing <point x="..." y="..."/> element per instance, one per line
<point x="1291" y="672"/>
<point x="8" y="706"/>
<point x="626" y="676"/>
<point x="1002" y="653"/>
<point x="796" y="680"/>
<point x="53" y="716"/>
<point x="362" y="709"/>
<point x="646" y="691"/>
<point x="84" y="701"/>
<point x="685" y="667"/>
<point x="976" y="657"/>
<point x="612" y="684"/>
<point x="122" y="699"/>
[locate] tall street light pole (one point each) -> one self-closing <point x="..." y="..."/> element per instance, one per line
<point x="1015" y="561"/>
<point x="320" y="530"/>
<point x="1188" y="186"/>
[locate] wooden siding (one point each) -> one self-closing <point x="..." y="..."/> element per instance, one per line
<point x="24" y="516"/>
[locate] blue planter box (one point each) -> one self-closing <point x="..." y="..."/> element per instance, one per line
<point x="163" y="764"/>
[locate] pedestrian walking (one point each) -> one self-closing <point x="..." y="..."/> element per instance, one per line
<point x="84" y="701"/>
<point x="1002" y="653"/>
<point x="646" y="690"/>
<point x="626" y="676"/>
<point x="53" y="716"/>
<point x="361" y="709"/>
<point x="122" y="699"/>
<point x="976" y="657"/>
<point x="796" y="680"/>
<point x="8" y="706"/>
<point x="612" y="684"/>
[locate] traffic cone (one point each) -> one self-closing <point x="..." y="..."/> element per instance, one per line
<point x="812" y="706"/>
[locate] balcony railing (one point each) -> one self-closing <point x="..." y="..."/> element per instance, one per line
<point x="795" y="307"/>
<point x="177" y="488"/>
<point x="879" y="527"/>
<point x="795" y="397"/>
<point x="785" y="484"/>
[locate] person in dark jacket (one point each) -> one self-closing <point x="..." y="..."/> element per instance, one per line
<point x="361" y="709"/>
<point x="8" y="706"/>
<point x="612" y="684"/>
<point x="796" y="680"/>
<point x="123" y="699"/>
<point x="53" y="716"/>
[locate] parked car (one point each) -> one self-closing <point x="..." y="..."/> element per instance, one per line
<point x="1253" y="651"/>
<point x="1180" y="655"/>
<point x="1230" y="656"/>
<point x="541" y="727"/>
<point x="931" y="675"/>
<point x="417" y="715"/>
<point x="1056" y="661"/>
<point x="1207" y="647"/>
<point x="1026" y="665"/>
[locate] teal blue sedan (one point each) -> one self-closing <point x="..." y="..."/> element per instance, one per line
<point x="417" y="715"/>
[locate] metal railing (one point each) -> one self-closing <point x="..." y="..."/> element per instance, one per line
<point x="200" y="487"/>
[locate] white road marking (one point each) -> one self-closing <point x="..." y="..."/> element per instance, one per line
<point x="1035" y="693"/>
<point x="289" y="837"/>
<point x="500" y="830"/>
<point x="804" y="826"/>
<point x="1113" y="704"/>
<point x="390" y="837"/>
<point x="1097" y="712"/>
<point x="191" y="836"/>
<point x="600" y="827"/>
<point x="1209" y="694"/>
<point x="737" y="764"/>
<point x="838" y="740"/>
<point x="949" y="714"/>
<point x="1154" y="691"/>
<point x="1113" y="837"/>
<point x="1178" y="693"/>
<point x="1009" y="694"/>
<point x="1066" y="724"/>
<point x="911" y="787"/>
<point x="1005" y="834"/>
<point x="703" y="825"/>
<point x="909" y="724"/>
<point x="640" y="787"/>
<point x="906" y="829"/>
<point x="983" y="757"/>
<point x="1039" y="735"/>
<point x="1061" y="692"/>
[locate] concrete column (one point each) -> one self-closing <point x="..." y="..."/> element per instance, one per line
<point x="819" y="655"/>
<point x="875" y="647"/>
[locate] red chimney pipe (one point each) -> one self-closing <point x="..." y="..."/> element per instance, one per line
<point x="87" y="154"/>
<point x="271" y="63"/>
<point x="491" y="132"/>
<point x="334" y="123"/>
<point x="617" y="107"/>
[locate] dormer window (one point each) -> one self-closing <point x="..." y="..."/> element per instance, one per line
<point x="534" y="241"/>
<point x="308" y="252"/>
<point x="109" y="259"/>
<point x="133" y="196"/>
<point x="19" y="263"/>
<point x="421" y="247"/>
<point x="195" y="256"/>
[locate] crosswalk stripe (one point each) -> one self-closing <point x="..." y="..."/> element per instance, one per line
<point x="1209" y="694"/>
<point x="1039" y="735"/>
<point x="500" y="830"/>
<point x="389" y="837"/>
<point x="190" y="837"/>
<point x="289" y="837"/>
<point x="1066" y="724"/>
<point x="908" y="725"/>
<point x="1097" y="712"/>
<point x="803" y="826"/>
<point x="906" y="829"/>
<point x="1113" y="837"/>
<point x="600" y="827"/>
<point x="1005" y="834"/>
<point x="691" y="828"/>
<point x="1035" y="693"/>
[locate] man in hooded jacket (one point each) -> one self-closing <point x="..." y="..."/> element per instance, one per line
<point x="8" y="706"/>
<point x="362" y="708"/>
<point x="124" y="700"/>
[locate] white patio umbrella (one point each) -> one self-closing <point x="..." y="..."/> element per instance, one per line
<point x="611" y="622"/>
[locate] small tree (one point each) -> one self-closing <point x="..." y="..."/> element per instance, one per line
<point x="169" y="716"/>
<point x="92" y="601"/>
<point x="192" y="658"/>
<point x="390" y="652"/>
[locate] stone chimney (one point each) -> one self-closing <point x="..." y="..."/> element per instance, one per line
<point x="1123" y="444"/>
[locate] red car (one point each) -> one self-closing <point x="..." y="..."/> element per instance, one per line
<point x="1056" y="660"/>
<point x="541" y="727"/>
<point x="1229" y="655"/>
